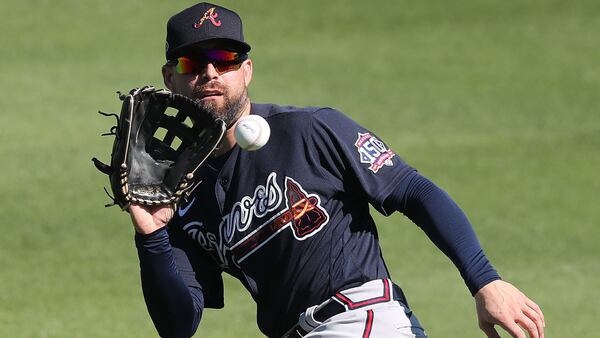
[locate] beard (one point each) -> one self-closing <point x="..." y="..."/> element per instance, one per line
<point x="232" y="106"/>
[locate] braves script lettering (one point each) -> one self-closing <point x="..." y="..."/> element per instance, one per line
<point x="264" y="200"/>
<point x="302" y="213"/>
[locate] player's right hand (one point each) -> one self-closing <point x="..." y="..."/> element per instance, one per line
<point x="500" y="303"/>
<point x="147" y="219"/>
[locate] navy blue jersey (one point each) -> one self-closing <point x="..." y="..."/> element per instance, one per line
<point x="291" y="220"/>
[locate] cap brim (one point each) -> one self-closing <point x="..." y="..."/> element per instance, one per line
<point x="208" y="44"/>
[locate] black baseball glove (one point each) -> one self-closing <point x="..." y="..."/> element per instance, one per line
<point x="156" y="154"/>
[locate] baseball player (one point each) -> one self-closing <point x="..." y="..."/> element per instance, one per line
<point x="291" y="220"/>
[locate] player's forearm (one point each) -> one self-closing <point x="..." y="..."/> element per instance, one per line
<point x="446" y="225"/>
<point x="175" y="309"/>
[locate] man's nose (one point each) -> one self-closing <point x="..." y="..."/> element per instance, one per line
<point x="209" y="72"/>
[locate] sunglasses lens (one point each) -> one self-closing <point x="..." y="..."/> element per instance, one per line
<point x="185" y="65"/>
<point x="226" y="67"/>
<point x="222" y="60"/>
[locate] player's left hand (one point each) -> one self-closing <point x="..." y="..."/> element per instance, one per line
<point x="500" y="303"/>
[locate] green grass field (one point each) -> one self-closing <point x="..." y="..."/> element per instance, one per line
<point x="495" y="101"/>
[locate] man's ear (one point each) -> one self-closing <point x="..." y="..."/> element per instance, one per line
<point x="247" y="68"/>
<point x="167" y="73"/>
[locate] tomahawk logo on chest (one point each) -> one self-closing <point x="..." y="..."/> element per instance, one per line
<point x="246" y="228"/>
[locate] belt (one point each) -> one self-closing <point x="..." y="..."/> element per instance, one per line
<point x="339" y="303"/>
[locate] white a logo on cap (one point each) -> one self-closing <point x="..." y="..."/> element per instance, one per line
<point x="211" y="15"/>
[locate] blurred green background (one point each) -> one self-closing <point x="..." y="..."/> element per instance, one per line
<point x="495" y="101"/>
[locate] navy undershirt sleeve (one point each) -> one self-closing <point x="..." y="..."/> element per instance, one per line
<point x="174" y="307"/>
<point x="446" y="225"/>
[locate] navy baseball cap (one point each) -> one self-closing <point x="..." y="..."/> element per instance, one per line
<point x="204" y="26"/>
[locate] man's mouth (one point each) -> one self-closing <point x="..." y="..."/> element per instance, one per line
<point x="205" y="94"/>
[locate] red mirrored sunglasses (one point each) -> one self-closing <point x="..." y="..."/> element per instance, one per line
<point x="223" y="61"/>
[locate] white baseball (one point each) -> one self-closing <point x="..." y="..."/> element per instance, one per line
<point x="252" y="132"/>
